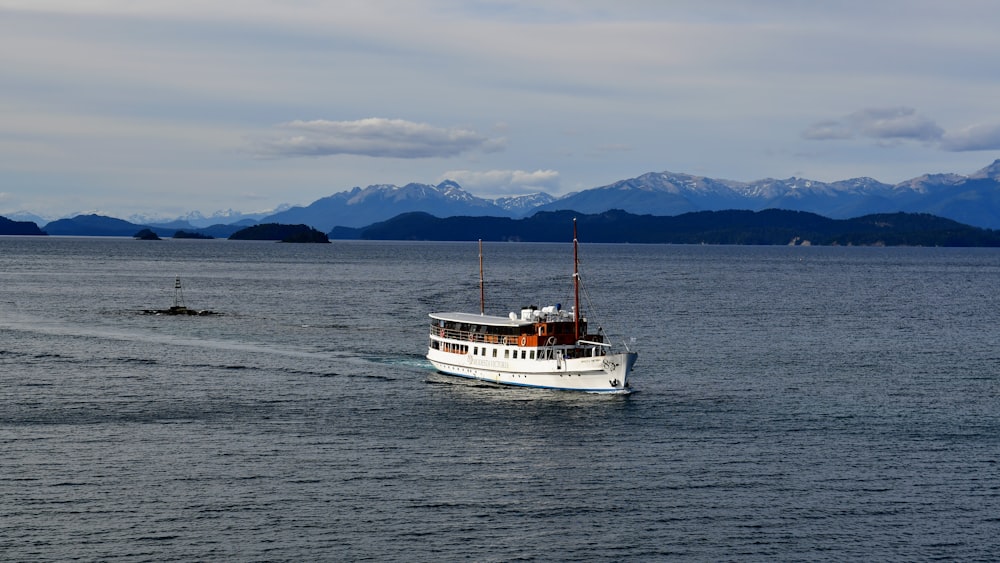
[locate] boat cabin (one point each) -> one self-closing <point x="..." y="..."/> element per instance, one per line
<point x="548" y="327"/>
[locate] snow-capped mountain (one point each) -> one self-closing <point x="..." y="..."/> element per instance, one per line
<point x="360" y="207"/>
<point x="523" y="205"/>
<point x="991" y="172"/>
<point x="196" y="219"/>
<point x="27" y="216"/>
<point x="973" y="199"/>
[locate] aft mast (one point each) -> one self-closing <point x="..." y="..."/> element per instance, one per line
<point x="482" y="284"/>
<point x="576" y="283"/>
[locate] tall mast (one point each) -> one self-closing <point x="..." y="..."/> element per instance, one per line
<point x="576" y="283"/>
<point x="482" y="285"/>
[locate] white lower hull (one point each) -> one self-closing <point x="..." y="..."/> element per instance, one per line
<point x="597" y="374"/>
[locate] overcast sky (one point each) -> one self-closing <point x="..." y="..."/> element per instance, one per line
<point x="163" y="107"/>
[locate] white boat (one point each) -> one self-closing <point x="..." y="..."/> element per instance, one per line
<point x="546" y="347"/>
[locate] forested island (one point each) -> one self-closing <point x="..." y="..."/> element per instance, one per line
<point x="146" y="234"/>
<point x="185" y="234"/>
<point x="282" y="233"/>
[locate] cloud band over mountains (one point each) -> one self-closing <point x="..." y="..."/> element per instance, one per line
<point x="505" y="182"/>
<point x="898" y="124"/>
<point x="375" y="137"/>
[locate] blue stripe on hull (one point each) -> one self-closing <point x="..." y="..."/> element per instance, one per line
<point x="530" y="386"/>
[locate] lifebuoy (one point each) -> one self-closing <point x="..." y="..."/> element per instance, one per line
<point x="503" y="340"/>
<point x="524" y="340"/>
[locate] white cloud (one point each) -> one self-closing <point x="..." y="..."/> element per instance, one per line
<point x="885" y="124"/>
<point x="896" y="124"/>
<point x="827" y="130"/>
<point x="375" y="137"/>
<point x="979" y="137"/>
<point x="505" y="182"/>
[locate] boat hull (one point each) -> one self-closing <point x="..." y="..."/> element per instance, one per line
<point x="599" y="374"/>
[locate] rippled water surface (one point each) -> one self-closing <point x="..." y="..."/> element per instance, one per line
<point x="792" y="404"/>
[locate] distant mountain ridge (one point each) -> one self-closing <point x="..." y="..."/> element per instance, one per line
<point x="95" y="225"/>
<point x="363" y="206"/>
<point x="768" y="227"/>
<point x="771" y="226"/>
<point x="9" y="227"/>
<point x="972" y="199"/>
<point x="196" y="220"/>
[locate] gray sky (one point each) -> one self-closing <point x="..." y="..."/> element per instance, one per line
<point x="162" y="107"/>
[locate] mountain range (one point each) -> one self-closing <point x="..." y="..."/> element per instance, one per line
<point x="364" y="206"/>
<point x="972" y="199"/>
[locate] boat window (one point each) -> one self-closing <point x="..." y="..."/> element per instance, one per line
<point x="523" y="354"/>
<point x="532" y="355"/>
<point x="494" y="352"/>
<point x="506" y="354"/>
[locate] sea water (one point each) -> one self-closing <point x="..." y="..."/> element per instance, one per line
<point x="800" y="403"/>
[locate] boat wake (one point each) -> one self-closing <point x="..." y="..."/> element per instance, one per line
<point x="415" y="363"/>
<point x="108" y="344"/>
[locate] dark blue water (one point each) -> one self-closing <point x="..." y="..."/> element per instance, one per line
<point x="792" y="404"/>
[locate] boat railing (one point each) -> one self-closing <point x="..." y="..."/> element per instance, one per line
<point x="478" y="337"/>
<point x="470" y="336"/>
